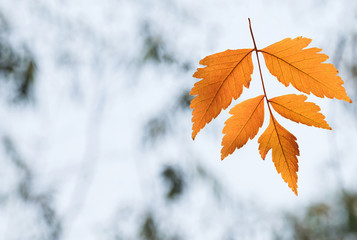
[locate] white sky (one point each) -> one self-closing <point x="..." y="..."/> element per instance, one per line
<point x="83" y="136"/>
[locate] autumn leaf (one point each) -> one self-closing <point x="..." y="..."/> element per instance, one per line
<point x="248" y="117"/>
<point x="291" y="62"/>
<point x="303" y="68"/>
<point x="284" y="151"/>
<point x="223" y="79"/>
<point x="295" y="108"/>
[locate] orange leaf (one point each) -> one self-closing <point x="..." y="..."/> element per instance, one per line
<point x="248" y="117"/>
<point x="295" y="108"/>
<point x="303" y="68"/>
<point x="284" y="151"/>
<point x="223" y="79"/>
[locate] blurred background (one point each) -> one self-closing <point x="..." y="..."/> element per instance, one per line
<point x="95" y="124"/>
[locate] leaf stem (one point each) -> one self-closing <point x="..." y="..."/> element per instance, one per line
<point x="260" y="70"/>
<point x="266" y="98"/>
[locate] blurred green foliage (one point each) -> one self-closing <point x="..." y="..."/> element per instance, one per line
<point x="17" y="66"/>
<point x="174" y="180"/>
<point x="336" y="220"/>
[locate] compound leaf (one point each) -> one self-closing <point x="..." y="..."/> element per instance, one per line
<point x="223" y="77"/>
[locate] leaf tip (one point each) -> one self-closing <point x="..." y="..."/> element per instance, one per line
<point x="194" y="135"/>
<point x="262" y="154"/>
<point x="347" y="99"/>
<point x="296" y="192"/>
<point x="294" y="188"/>
<point x="224" y="152"/>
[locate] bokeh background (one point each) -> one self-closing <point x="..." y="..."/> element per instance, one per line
<point x="95" y="124"/>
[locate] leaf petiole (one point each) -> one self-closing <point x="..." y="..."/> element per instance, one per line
<point x="260" y="70"/>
